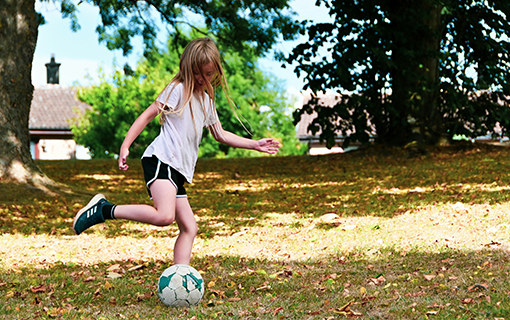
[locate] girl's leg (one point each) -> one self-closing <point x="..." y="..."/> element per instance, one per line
<point x="163" y="212"/>
<point x="187" y="231"/>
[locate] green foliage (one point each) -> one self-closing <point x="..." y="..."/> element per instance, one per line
<point x="261" y="105"/>
<point x="403" y="69"/>
<point x="118" y="102"/>
<point x="115" y="106"/>
<point x="243" y="25"/>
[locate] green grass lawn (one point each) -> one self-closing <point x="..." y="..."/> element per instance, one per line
<point x="374" y="235"/>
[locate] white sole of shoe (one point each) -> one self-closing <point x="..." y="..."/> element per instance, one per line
<point x="89" y="205"/>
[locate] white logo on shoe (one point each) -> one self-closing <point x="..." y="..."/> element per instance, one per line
<point x="91" y="212"/>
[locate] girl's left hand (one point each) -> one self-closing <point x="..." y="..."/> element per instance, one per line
<point x="268" y="145"/>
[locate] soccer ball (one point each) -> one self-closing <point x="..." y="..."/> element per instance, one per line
<point x="180" y="286"/>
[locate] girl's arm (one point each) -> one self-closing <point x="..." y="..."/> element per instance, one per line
<point x="136" y="128"/>
<point x="266" y="145"/>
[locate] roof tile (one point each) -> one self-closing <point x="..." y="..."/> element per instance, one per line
<point x="54" y="107"/>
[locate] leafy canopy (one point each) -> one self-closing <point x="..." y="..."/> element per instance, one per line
<point x="246" y="25"/>
<point x="408" y="70"/>
<point x="261" y="105"/>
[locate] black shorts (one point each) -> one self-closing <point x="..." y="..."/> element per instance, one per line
<point x="154" y="169"/>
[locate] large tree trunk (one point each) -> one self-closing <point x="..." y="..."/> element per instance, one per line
<point x="18" y="37"/>
<point x="415" y="77"/>
<point x="430" y="117"/>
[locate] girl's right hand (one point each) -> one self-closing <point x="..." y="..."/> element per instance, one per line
<point x="124" y="153"/>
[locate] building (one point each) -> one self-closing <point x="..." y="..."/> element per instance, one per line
<point x="53" y="109"/>
<point x="315" y="147"/>
<point x="331" y="99"/>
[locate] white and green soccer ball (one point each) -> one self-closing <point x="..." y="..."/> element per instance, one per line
<point x="180" y="286"/>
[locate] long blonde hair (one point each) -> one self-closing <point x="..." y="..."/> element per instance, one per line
<point x="198" y="53"/>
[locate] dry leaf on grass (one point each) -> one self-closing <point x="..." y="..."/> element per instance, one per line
<point x="468" y="301"/>
<point x="107" y="285"/>
<point x="346" y="311"/>
<point x="416" y="294"/>
<point x="114" y="275"/>
<point x="38" y="289"/>
<point x="477" y="287"/>
<point x="114" y="267"/>
<point x="377" y="281"/>
<point x="138" y="267"/>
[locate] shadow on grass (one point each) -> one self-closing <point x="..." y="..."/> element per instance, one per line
<point x="230" y="194"/>
<point x="383" y="284"/>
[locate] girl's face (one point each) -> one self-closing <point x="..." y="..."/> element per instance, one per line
<point x="208" y="71"/>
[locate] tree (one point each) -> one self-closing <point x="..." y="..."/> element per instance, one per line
<point x="18" y="35"/>
<point x="119" y="99"/>
<point x="403" y="67"/>
<point x="235" y="24"/>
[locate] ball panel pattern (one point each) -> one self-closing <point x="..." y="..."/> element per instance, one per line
<point x="180" y="286"/>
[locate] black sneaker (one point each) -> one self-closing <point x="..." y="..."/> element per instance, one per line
<point x="90" y="215"/>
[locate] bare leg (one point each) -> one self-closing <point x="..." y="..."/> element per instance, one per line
<point x="187" y="231"/>
<point x="163" y="212"/>
<point x="167" y="209"/>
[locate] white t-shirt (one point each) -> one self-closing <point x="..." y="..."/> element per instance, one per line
<point x="178" y="141"/>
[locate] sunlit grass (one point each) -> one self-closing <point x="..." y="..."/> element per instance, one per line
<point x="279" y="238"/>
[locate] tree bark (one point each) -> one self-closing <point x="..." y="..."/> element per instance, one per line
<point x="416" y="76"/>
<point x="18" y="37"/>
<point x="430" y="118"/>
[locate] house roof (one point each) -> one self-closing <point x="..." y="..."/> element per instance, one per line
<point x="327" y="100"/>
<point x="53" y="107"/>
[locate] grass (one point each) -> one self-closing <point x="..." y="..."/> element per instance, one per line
<point x="371" y="234"/>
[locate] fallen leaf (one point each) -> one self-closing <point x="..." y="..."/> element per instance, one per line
<point x="346" y="311"/>
<point x="329" y="218"/>
<point x="493" y="244"/>
<point x="478" y="287"/>
<point x="416" y="294"/>
<point x="429" y="277"/>
<point x="142" y="296"/>
<point x="467" y="301"/>
<point x="114" y="275"/>
<point x="277" y="310"/>
<point x="38" y="289"/>
<point x="113" y="267"/>
<point x="218" y="293"/>
<point x="377" y="281"/>
<point x="314" y="313"/>
<point x="138" y="267"/>
<point x="234" y="299"/>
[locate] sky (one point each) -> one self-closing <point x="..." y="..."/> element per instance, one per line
<point x="80" y="54"/>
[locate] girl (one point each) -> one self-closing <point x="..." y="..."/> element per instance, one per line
<point x="185" y="109"/>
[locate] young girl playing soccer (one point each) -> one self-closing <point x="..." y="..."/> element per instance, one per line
<point x="185" y="109"/>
